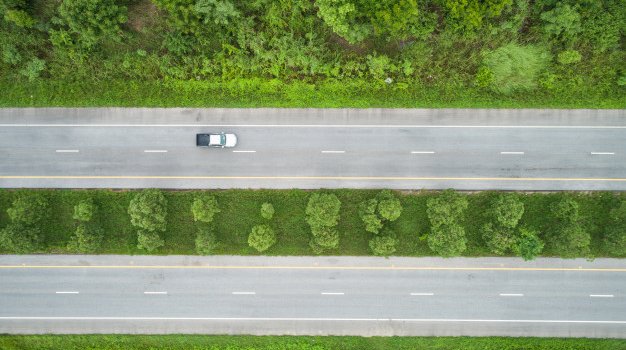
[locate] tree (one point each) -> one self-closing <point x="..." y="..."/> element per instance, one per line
<point x="206" y="242"/>
<point x="514" y="67"/>
<point x="20" y="238"/>
<point x="149" y="240"/>
<point x="499" y="239"/>
<point x="148" y="210"/>
<point x="86" y="239"/>
<point x="446" y="209"/>
<point x="389" y="207"/>
<point x="566" y="235"/>
<point x="615" y="234"/>
<point x="92" y="21"/>
<point x="204" y="208"/>
<point x="529" y="245"/>
<point x="220" y="12"/>
<point x="324" y="238"/>
<point x="562" y="23"/>
<point x="323" y="210"/>
<point x="367" y="212"/>
<point x="343" y="17"/>
<point x="262" y="238"/>
<point x="84" y="210"/>
<point x="267" y="211"/>
<point x="383" y="245"/>
<point x="28" y="209"/>
<point x="507" y="210"/>
<point x="468" y="15"/>
<point x="505" y="213"/>
<point x="447" y="240"/>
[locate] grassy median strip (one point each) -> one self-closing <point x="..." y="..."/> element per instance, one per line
<point x="175" y="342"/>
<point x="239" y="212"/>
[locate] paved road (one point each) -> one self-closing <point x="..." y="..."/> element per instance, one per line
<point x="361" y="296"/>
<point x="407" y="149"/>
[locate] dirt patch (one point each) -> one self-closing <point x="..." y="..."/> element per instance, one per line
<point x="142" y="14"/>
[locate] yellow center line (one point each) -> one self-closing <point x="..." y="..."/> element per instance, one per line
<point x="347" y="178"/>
<point x="384" y="268"/>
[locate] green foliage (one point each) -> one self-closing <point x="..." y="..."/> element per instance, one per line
<point x="204" y="208"/>
<point x="267" y="211"/>
<point x="507" y="210"/>
<point x="262" y="238"/>
<point x="20" y="18"/>
<point x="529" y="245"/>
<point x="217" y="11"/>
<point x="567" y="236"/>
<point x="86" y="240"/>
<point x="344" y="19"/>
<point x="561" y="23"/>
<point x="515" y="68"/>
<point x="206" y="241"/>
<point x="33" y="69"/>
<point x="322" y="210"/>
<point x="92" y="21"/>
<point x="569" y="57"/>
<point x="149" y="240"/>
<point x="84" y="210"/>
<point x="20" y="238"/>
<point x="11" y="55"/>
<point x="446" y="209"/>
<point x="324" y="238"/>
<point x="383" y="245"/>
<point x="28" y="209"/>
<point x="447" y="240"/>
<point x="374" y="212"/>
<point x="615" y="233"/>
<point x="499" y="239"/>
<point x="484" y="77"/>
<point x="469" y="15"/>
<point x="148" y="210"/>
<point x="389" y="207"/>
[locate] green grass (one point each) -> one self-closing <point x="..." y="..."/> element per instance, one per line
<point x="270" y="93"/>
<point x="240" y="211"/>
<point x="198" y="342"/>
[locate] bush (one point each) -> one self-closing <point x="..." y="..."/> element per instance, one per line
<point x="567" y="237"/>
<point x="28" y="209"/>
<point x="149" y="240"/>
<point x="92" y="21"/>
<point x="33" y="69"/>
<point x="204" y="208"/>
<point x="367" y="212"/>
<point x="389" y="207"/>
<point x="529" y="245"/>
<point x="561" y="23"/>
<point x="148" y="210"/>
<point x="20" y="238"/>
<point x="262" y="238"/>
<point x="86" y="239"/>
<point x="322" y="210"/>
<point x="383" y="245"/>
<point x="615" y="234"/>
<point x="498" y="239"/>
<point x="446" y="209"/>
<point x="507" y="210"/>
<point x="267" y="211"/>
<point x="84" y="210"/>
<point x="447" y="240"/>
<point x="515" y="68"/>
<point x="206" y="242"/>
<point x="569" y="57"/>
<point x="324" y="238"/>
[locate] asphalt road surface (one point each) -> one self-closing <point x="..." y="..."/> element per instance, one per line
<point x="464" y="149"/>
<point x="360" y="296"/>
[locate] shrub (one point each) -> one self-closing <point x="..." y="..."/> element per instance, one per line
<point x="267" y="211"/>
<point x="446" y="208"/>
<point x="615" y="234"/>
<point x="33" y="69"/>
<point x="149" y="240"/>
<point x="322" y="210"/>
<point x="529" y="245"/>
<point x="20" y="238"/>
<point x="567" y="236"/>
<point x="206" y="242"/>
<point x="569" y="57"/>
<point x="324" y="238"/>
<point x="562" y="22"/>
<point x="86" y="239"/>
<point x="204" y="208"/>
<point x="92" y="21"/>
<point x="28" y="209"/>
<point x="148" y="210"/>
<point x="20" y="18"/>
<point x="515" y="68"/>
<point x="84" y="210"/>
<point x="507" y="210"/>
<point x="383" y="245"/>
<point x="367" y="212"/>
<point x="389" y="207"/>
<point x="262" y="238"/>
<point x="447" y="240"/>
<point x="498" y="239"/>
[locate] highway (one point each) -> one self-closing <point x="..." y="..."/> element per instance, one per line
<point x="309" y="295"/>
<point x="404" y="149"/>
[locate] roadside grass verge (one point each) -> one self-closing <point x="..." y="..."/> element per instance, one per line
<point x="175" y="342"/>
<point x="240" y="211"/>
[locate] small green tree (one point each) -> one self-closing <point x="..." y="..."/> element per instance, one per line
<point x="562" y="23"/>
<point x="529" y="245"/>
<point x="28" y="209"/>
<point x="86" y="239"/>
<point x="367" y="212"/>
<point x="148" y="210"/>
<point x="204" y="208"/>
<point x="322" y="210"/>
<point x="149" y="240"/>
<point x="84" y="210"/>
<point x="32" y="70"/>
<point x="446" y="208"/>
<point x="324" y="238"/>
<point x="383" y="245"/>
<point x="389" y="207"/>
<point x="267" y="211"/>
<point x="206" y="242"/>
<point x="615" y="234"/>
<point x="566" y="235"/>
<point x="507" y="210"/>
<point x="447" y="240"/>
<point x="262" y="238"/>
<point x="92" y="21"/>
<point x="499" y="239"/>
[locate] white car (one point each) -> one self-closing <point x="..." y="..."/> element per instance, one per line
<point x="217" y="140"/>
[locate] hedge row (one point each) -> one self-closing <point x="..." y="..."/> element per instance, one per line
<point x="357" y="222"/>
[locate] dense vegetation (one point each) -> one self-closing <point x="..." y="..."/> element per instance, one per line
<point x="298" y="222"/>
<point x="199" y="342"/>
<point x="327" y="53"/>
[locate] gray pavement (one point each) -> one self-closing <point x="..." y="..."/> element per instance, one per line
<point x="313" y="295"/>
<point x="312" y="148"/>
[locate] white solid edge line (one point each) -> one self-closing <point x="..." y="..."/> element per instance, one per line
<point x="423" y="294"/>
<point x="511" y="295"/>
<point x="67" y="151"/>
<point x="333" y="151"/>
<point x="80" y="318"/>
<point x="67" y="292"/>
<point x="603" y="153"/>
<point x="511" y="152"/>
<point x="422" y="152"/>
<point x="326" y="126"/>
<point x="244" y="151"/>
<point x="244" y="293"/>
<point x="155" y="151"/>
<point x="601" y="295"/>
<point x="155" y="293"/>
<point x="333" y="293"/>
